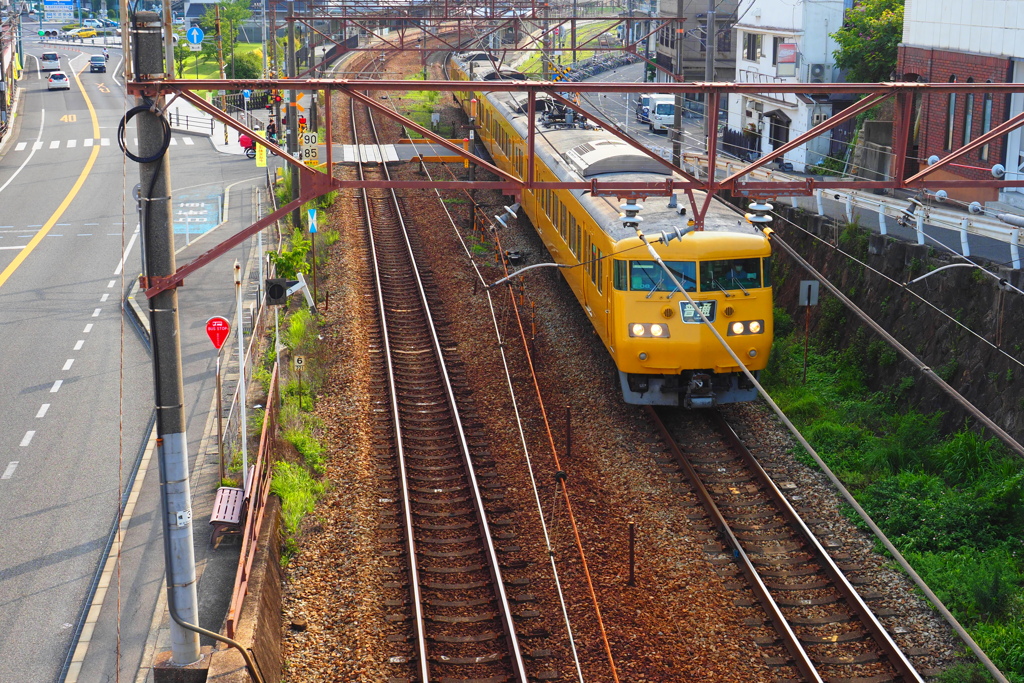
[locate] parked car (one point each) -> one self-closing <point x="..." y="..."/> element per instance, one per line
<point x="58" y="81"/>
<point x="98" y="63"/>
<point x="92" y="23"/>
<point x="81" y="33"/>
<point x="50" y="61"/>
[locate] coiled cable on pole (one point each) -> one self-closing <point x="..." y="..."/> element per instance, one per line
<point x="123" y="125"/>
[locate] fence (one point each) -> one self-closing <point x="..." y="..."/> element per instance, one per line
<point x="258" y="493"/>
<point x="194" y="124"/>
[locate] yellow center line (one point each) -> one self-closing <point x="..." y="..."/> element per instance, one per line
<point x="34" y="242"/>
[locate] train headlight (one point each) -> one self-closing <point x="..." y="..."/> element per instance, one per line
<point x="746" y="327"/>
<point x="649" y="330"/>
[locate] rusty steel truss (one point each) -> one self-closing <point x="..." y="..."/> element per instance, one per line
<point x="314" y="183"/>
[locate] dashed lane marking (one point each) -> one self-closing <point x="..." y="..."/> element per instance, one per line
<point x="28" y="438"/>
<point x="42" y="410"/>
<point x="56" y="386"/>
<point x="68" y="363"/>
<point x="9" y="472"/>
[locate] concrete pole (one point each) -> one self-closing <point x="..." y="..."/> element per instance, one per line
<point x="293" y="119"/>
<point x="158" y="254"/>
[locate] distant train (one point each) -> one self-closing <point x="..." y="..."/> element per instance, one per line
<point x="665" y="355"/>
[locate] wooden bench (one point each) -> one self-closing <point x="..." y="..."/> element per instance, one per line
<point x="229" y="510"/>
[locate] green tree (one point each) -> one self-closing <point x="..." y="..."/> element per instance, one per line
<point x="871" y="32"/>
<point x="232" y="15"/>
<point x="181" y="55"/>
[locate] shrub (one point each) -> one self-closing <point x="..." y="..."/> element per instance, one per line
<point x="975" y="586"/>
<point x="298" y="492"/>
<point x="311" y="450"/>
<point x="963" y="457"/>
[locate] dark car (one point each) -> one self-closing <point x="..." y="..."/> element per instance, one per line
<point x="98" y="63"/>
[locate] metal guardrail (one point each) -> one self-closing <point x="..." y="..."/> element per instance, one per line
<point x="258" y="493"/>
<point x="196" y="124"/>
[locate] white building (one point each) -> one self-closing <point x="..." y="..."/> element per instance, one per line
<point x="784" y="41"/>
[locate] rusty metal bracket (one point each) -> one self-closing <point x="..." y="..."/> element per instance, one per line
<point x="161" y="283"/>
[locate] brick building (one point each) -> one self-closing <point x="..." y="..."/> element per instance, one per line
<point x="948" y="41"/>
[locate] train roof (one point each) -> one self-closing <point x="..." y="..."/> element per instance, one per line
<point x="576" y="154"/>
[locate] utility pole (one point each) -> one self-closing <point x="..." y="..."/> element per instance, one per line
<point x="220" y="44"/>
<point x="677" y="119"/>
<point x="293" y="119"/>
<point x="710" y="44"/>
<point x="159" y="262"/>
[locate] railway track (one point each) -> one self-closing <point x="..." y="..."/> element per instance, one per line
<point x="823" y="625"/>
<point x="449" y="536"/>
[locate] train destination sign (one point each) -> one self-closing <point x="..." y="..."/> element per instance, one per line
<point x="690" y="315"/>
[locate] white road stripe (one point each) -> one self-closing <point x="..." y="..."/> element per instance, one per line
<point x="88" y="329"/>
<point x="20" y="146"/>
<point x="72" y="143"/>
<point x="37" y="145"/>
<point x="79" y="344"/>
<point x="104" y="298"/>
<point x="68" y="363"/>
<point x="13" y="247"/>
<point x="124" y="257"/>
<point x="54" y="144"/>
<point x="28" y="437"/>
<point x="56" y="386"/>
<point x="9" y="472"/>
<point x="42" y="410"/>
<point x="105" y="142"/>
<point x="111" y="284"/>
<point x="188" y="141"/>
<point x="88" y="142"/>
<point x="174" y="141"/>
<point x="42" y="120"/>
<point x="96" y="313"/>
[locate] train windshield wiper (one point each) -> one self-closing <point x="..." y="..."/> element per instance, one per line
<point x="657" y="285"/>
<point x="682" y="277"/>
<point x="718" y="284"/>
<point x="737" y="283"/>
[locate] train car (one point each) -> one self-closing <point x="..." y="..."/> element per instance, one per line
<point x="664" y="353"/>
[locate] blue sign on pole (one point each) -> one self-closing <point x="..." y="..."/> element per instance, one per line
<point x="246" y="94"/>
<point x="312" y="220"/>
<point x="195" y="35"/>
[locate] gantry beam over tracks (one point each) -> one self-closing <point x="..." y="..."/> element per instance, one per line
<point x="315" y="182"/>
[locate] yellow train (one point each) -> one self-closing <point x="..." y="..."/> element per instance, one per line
<point x="664" y="353"/>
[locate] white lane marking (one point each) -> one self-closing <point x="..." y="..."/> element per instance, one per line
<point x="39" y="135"/>
<point x="96" y="313"/>
<point x="104" y="298"/>
<point x="38" y="144"/>
<point x="42" y="410"/>
<point x="111" y="284"/>
<point x="20" y="146"/>
<point x="188" y="141"/>
<point x="9" y="472"/>
<point x="54" y="144"/>
<point x="13" y="247"/>
<point x="174" y="141"/>
<point x="79" y="344"/>
<point x="68" y="363"/>
<point x="85" y="234"/>
<point x="28" y="438"/>
<point x="56" y="386"/>
<point x="105" y="142"/>
<point x="88" y="329"/>
<point x="72" y="143"/>
<point x="88" y="142"/>
<point x="88" y="225"/>
<point x="124" y="257"/>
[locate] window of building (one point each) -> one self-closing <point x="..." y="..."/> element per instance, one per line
<point x="724" y="38"/>
<point x="986" y="120"/>
<point x="752" y="46"/>
<point x="776" y="41"/>
<point x="950" y="116"/>
<point x="968" y="114"/>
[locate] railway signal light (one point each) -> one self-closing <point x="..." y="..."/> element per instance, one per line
<point x="277" y="291"/>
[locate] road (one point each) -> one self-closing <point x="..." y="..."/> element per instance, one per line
<point x="77" y="377"/>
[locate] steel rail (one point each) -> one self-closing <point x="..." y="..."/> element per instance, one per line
<point x="801" y="659"/>
<point x="897" y="659"/>
<point x="504" y="608"/>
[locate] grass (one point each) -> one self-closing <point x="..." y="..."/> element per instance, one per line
<point x="208" y="68"/>
<point x="299" y="492"/>
<point x="952" y="503"/>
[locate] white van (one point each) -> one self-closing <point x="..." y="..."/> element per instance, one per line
<point x="50" y="61"/>
<point x="662" y="112"/>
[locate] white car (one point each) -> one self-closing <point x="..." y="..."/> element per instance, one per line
<point x="59" y="81"/>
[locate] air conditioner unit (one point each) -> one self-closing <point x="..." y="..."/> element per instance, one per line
<point x="820" y="73"/>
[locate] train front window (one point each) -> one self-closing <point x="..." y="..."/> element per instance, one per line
<point x="649" y="276"/>
<point x="734" y="274"/>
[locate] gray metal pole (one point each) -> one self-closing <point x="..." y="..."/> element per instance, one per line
<point x="293" y="119"/>
<point x="677" y="120"/>
<point x="172" y="450"/>
<point x="711" y="44"/>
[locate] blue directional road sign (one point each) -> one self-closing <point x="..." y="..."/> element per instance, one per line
<point x="195" y="35"/>
<point x="246" y="94"/>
